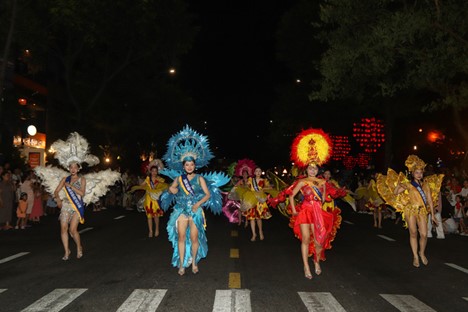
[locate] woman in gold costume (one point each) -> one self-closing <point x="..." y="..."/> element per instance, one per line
<point x="414" y="198"/>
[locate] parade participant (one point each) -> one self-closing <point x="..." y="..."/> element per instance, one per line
<point x="190" y="191"/>
<point x="260" y="210"/>
<point x="7" y="195"/>
<point x="153" y="186"/>
<point x="335" y="191"/>
<point x="72" y="191"/>
<point x="414" y="198"/>
<point x="314" y="226"/>
<point x="374" y="201"/>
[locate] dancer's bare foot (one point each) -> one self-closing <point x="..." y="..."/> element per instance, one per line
<point x="254" y="238"/>
<point x="307" y="273"/>
<point x="150" y="234"/>
<point x="66" y="256"/>
<point x="181" y="271"/>
<point x="318" y="269"/>
<point x="423" y="259"/>
<point x="79" y="253"/>
<point x="261" y="236"/>
<point x="156" y="234"/>
<point x="416" y="262"/>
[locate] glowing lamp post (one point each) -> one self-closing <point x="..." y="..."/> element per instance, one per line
<point x="32" y="130"/>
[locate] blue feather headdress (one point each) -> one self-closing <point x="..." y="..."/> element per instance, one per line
<point x="189" y="145"/>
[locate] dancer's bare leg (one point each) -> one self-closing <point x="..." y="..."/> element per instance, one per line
<point x="413" y="231"/>
<point x="64" y="236"/>
<point x="75" y="235"/>
<point x="260" y="228"/>
<point x="182" y="224"/>
<point x="195" y="244"/>
<point x="305" y="241"/>
<point x="156" y="222"/>
<point x="422" y="228"/>
<point x="150" y="227"/>
<point x="254" y="233"/>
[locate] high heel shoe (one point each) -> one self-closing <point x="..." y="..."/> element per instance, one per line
<point x="318" y="270"/>
<point x="307" y="273"/>
<point x="195" y="269"/>
<point x="67" y="256"/>
<point x="254" y="238"/>
<point x="181" y="271"/>
<point x="416" y="262"/>
<point x="79" y="254"/>
<point x="424" y="259"/>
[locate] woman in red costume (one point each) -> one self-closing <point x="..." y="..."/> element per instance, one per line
<point x="314" y="226"/>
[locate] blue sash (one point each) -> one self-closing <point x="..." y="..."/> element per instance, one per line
<point x="186" y="186"/>
<point x="420" y="190"/>
<point x="255" y="184"/>
<point x="317" y="191"/>
<point x="77" y="203"/>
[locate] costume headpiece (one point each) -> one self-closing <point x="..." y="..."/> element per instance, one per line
<point x="155" y="163"/>
<point x="74" y="150"/>
<point x="187" y="145"/>
<point x="413" y="163"/>
<point x="245" y="164"/>
<point x="311" y="146"/>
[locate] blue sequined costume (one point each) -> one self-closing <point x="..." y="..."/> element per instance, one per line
<point x="183" y="206"/>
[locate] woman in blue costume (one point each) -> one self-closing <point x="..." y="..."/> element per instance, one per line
<point x="186" y="226"/>
<point x="188" y="194"/>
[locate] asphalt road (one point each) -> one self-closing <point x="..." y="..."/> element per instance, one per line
<point x="124" y="270"/>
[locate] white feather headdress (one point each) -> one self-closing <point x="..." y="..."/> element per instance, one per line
<point x="74" y="150"/>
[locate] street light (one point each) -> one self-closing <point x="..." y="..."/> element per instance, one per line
<point x="32" y="130"/>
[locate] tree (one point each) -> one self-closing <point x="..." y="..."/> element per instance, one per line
<point x="387" y="49"/>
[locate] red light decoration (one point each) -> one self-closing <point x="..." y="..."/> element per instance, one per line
<point x="434" y="136"/>
<point x="22" y="101"/>
<point x="362" y="160"/>
<point x="341" y="146"/>
<point x="369" y="133"/>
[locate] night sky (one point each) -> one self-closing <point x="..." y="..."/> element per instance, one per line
<point x="231" y="72"/>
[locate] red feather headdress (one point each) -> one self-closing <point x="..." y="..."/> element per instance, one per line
<point x="245" y="164"/>
<point x="311" y="146"/>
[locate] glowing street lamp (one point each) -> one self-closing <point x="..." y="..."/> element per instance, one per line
<point x="32" y="130"/>
<point x="172" y="71"/>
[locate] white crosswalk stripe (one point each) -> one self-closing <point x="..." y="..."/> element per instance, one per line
<point x="143" y="300"/>
<point x="232" y="300"/>
<point x="119" y="217"/>
<point x="85" y="230"/>
<point x="386" y="238"/>
<point x="13" y="257"/>
<point x="466" y="298"/>
<point x="55" y="300"/>
<point x="407" y="303"/>
<point x="457" y="267"/>
<point x="320" y="301"/>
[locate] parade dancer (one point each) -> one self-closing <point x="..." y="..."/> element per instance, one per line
<point x="314" y="226"/>
<point x="73" y="191"/>
<point x="188" y="150"/>
<point x="414" y="198"/>
<point x="153" y="186"/>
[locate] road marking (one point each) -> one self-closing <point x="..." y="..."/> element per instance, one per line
<point x="320" y="301"/>
<point x="386" y="238"/>
<point x="2" y="290"/>
<point x="349" y="222"/>
<point x="119" y="217"/>
<point x="234" y="253"/>
<point x="466" y="298"/>
<point x="407" y="303"/>
<point x="233" y="300"/>
<point x="234" y="233"/>
<point x="55" y="300"/>
<point x="234" y="280"/>
<point x="143" y="300"/>
<point x="457" y="267"/>
<point x="85" y="230"/>
<point x="13" y="257"/>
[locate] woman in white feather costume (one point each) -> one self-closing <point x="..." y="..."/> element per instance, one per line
<point x="71" y="190"/>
